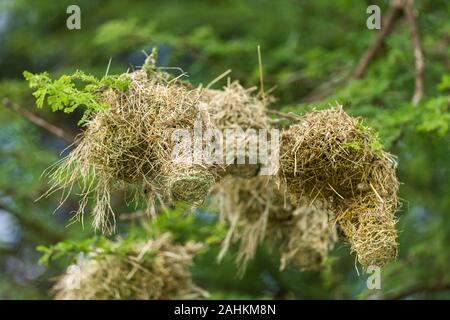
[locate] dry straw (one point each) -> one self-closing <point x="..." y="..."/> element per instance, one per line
<point x="256" y="209"/>
<point x="157" y="269"/>
<point x="331" y="157"/>
<point x="131" y="143"/>
<point x="236" y="108"/>
<point x="309" y="238"/>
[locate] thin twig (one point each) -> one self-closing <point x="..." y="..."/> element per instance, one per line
<point x="107" y="68"/>
<point x="419" y="60"/>
<point x="33" y="118"/>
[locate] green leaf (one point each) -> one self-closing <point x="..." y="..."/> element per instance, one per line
<point x="70" y="92"/>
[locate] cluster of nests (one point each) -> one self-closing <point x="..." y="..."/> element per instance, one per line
<point x="331" y="157"/>
<point x="333" y="176"/>
<point x="156" y="269"/>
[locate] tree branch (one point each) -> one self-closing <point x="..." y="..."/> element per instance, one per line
<point x="387" y="24"/>
<point x="419" y="60"/>
<point x="33" y="118"/>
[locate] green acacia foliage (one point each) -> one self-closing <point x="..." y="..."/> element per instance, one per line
<point x="64" y="94"/>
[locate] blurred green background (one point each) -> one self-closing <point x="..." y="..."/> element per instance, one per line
<point x="309" y="50"/>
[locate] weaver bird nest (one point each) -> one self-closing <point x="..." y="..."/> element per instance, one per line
<point x="256" y="209"/>
<point x="234" y="108"/>
<point x="329" y="156"/>
<point x="332" y="169"/>
<point x="157" y="269"/>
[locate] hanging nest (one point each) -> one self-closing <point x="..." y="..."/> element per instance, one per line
<point x="153" y="270"/>
<point x="257" y="209"/>
<point x="370" y="232"/>
<point x="131" y="143"/>
<point x="190" y="184"/>
<point x="236" y="108"/>
<point x="309" y="238"/>
<point x="331" y="157"/>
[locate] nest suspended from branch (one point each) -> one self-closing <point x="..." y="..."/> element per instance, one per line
<point x="329" y="156"/>
<point x="236" y="109"/>
<point x="153" y="270"/>
<point x="133" y="141"/>
<point x="256" y="209"/>
<point x="370" y="231"/>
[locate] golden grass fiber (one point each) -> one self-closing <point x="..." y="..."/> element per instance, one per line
<point x="256" y="209"/>
<point x="132" y="141"/>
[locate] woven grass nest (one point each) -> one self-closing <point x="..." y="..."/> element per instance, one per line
<point x="236" y="108"/>
<point x="157" y="269"/>
<point x="257" y="210"/>
<point x="131" y="143"/>
<point x="329" y="163"/>
<point x="331" y="157"/>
